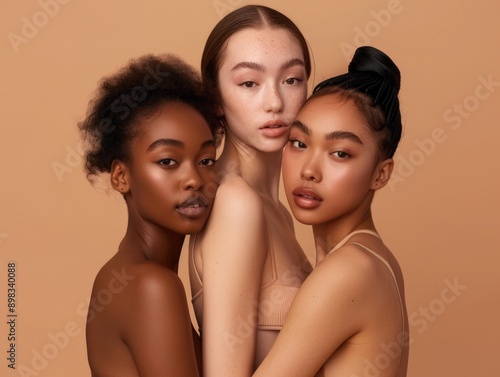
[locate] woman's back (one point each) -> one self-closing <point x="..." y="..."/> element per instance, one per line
<point x="284" y="266"/>
<point x="123" y="324"/>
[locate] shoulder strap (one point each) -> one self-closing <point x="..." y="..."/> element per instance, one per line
<point x="346" y="238"/>
<point x="390" y="269"/>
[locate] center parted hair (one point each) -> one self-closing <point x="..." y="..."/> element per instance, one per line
<point x="373" y="81"/>
<point x="249" y="16"/>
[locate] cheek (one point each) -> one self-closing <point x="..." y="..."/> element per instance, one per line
<point x="289" y="166"/>
<point x="231" y="98"/>
<point x="152" y="181"/>
<point x="350" y="179"/>
<point x="295" y="101"/>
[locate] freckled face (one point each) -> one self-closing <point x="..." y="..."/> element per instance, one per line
<point x="172" y="177"/>
<point x="330" y="162"/>
<point x="263" y="84"/>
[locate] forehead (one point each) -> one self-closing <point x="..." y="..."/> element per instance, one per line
<point x="175" y="120"/>
<point x="330" y="113"/>
<point x="271" y="44"/>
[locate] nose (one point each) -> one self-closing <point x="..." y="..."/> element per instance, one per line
<point x="310" y="170"/>
<point x="273" y="102"/>
<point x="192" y="179"/>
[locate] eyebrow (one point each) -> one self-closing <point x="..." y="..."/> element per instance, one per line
<point x="175" y="143"/>
<point x="340" y="135"/>
<point x="165" y="143"/>
<point x="259" y="67"/>
<point x="335" y="135"/>
<point x="301" y="127"/>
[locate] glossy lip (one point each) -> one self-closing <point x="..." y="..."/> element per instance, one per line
<point x="274" y="128"/>
<point x="193" y="207"/>
<point x="306" y="198"/>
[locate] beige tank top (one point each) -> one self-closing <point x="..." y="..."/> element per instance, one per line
<point x="275" y="298"/>
<point x="345" y="241"/>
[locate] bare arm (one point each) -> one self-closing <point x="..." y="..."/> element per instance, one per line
<point x="329" y="308"/>
<point x="234" y="250"/>
<point x="158" y="328"/>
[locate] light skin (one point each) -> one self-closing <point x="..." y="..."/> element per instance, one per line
<point x="263" y="83"/>
<point x="347" y="315"/>
<point x="168" y="185"/>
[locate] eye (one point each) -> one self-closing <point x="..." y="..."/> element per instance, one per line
<point x="297" y="144"/>
<point x="341" y="154"/>
<point x="207" y="162"/>
<point x="292" y="81"/>
<point x="167" y="162"/>
<point x="248" y="84"/>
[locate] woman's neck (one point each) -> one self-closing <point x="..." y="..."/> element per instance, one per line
<point x="261" y="170"/>
<point x="328" y="235"/>
<point x="144" y="241"/>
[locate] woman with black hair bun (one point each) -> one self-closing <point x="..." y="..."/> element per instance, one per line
<point x="349" y="317"/>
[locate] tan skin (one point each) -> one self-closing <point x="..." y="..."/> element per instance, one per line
<point x="348" y="311"/>
<point x="263" y="83"/>
<point x="139" y="325"/>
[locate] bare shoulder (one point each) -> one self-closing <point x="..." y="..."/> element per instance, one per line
<point x="350" y="266"/>
<point x="237" y="207"/>
<point x="130" y="285"/>
<point x="338" y="294"/>
<point x="235" y="233"/>
<point x="347" y="276"/>
<point x="155" y="297"/>
<point x="235" y="191"/>
<point x="155" y="283"/>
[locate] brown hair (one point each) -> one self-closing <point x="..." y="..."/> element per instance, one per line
<point x="249" y="16"/>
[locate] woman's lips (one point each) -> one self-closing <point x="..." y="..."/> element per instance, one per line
<point x="274" y="128"/>
<point x="306" y="198"/>
<point x="194" y="206"/>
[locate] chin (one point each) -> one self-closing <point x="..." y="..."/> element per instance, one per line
<point x="273" y="146"/>
<point x="304" y="218"/>
<point x="191" y="227"/>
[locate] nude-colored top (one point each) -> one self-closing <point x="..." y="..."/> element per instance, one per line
<point x="275" y="298"/>
<point x="345" y="241"/>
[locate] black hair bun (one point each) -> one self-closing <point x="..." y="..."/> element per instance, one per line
<point x="372" y="73"/>
<point x="370" y="59"/>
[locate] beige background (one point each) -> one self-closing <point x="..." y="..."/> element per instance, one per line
<point x="438" y="214"/>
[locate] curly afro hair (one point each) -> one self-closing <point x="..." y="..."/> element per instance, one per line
<point x="136" y="91"/>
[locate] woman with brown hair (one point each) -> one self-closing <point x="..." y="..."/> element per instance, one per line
<point x="246" y="265"/>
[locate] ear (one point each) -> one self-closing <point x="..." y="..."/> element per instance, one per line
<point x="382" y="174"/>
<point x="220" y="111"/>
<point x="119" y="177"/>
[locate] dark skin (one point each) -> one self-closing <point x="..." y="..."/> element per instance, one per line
<point x="139" y="322"/>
